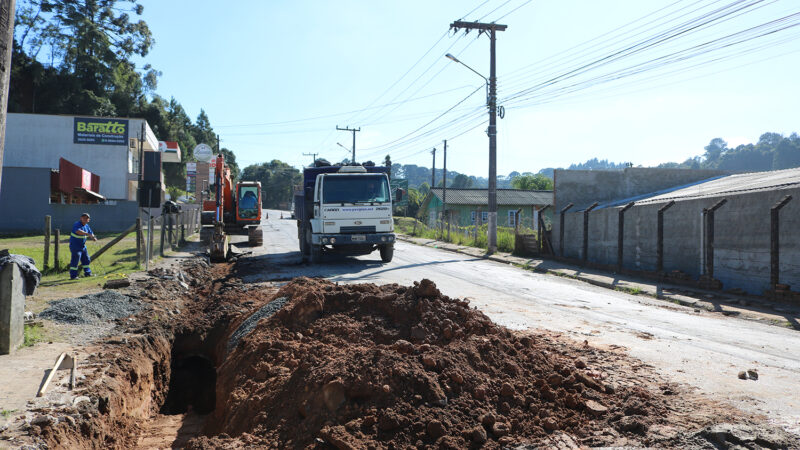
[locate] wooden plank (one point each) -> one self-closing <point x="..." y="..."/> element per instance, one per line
<point x="116" y="239"/>
<point x="51" y="375"/>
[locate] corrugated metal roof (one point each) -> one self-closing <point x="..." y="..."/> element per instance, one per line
<point x="509" y="197"/>
<point x="731" y="184"/>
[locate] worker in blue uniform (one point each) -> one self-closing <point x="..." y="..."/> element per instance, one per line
<point x="77" y="246"/>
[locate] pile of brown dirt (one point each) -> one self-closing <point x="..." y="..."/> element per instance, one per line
<point x="366" y="366"/>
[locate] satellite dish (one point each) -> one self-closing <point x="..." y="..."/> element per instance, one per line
<point x="203" y="153"/>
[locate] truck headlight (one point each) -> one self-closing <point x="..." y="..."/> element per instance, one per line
<point x="333" y="240"/>
<point x="385" y="222"/>
<point x="329" y="223"/>
<point x="324" y="240"/>
<point x="383" y="238"/>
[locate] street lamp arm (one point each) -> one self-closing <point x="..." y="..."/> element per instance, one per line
<point x="453" y="58"/>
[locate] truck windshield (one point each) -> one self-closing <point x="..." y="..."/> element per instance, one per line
<point x="248" y="202"/>
<point x="355" y="189"/>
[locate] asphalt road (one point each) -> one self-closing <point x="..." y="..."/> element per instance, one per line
<point x="702" y="349"/>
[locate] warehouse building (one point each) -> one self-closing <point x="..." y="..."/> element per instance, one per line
<point x="61" y="165"/>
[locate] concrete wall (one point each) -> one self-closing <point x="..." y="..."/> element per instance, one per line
<point x="25" y="200"/>
<point x="742" y="238"/>
<point x="39" y="140"/>
<point x="584" y="187"/>
<point x="12" y="308"/>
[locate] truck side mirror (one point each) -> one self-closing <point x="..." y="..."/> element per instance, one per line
<point x="399" y="195"/>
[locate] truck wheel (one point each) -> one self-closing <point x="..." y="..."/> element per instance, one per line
<point x="387" y="251"/>
<point x="301" y="238"/>
<point x="315" y="253"/>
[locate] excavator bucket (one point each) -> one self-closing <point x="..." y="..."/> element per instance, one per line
<point x="255" y="236"/>
<point x="220" y="243"/>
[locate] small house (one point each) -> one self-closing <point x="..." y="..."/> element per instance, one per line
<point x="468" y="207"/>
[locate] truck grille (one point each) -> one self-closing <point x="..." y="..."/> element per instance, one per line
<point x="357" y="230"/>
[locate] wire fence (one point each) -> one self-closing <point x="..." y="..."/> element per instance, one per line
<point x="158" y="235"/>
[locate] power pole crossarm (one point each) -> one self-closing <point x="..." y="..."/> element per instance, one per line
<point x="313" y="156"/>
<point x="353" y="130"/>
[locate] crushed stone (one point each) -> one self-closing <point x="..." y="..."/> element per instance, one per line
<point x="91" y="308"/>
<point x="250" y="323"/>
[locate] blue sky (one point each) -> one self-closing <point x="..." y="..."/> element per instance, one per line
<point x="277" y="77"/>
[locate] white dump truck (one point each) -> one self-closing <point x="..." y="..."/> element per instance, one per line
<point x="345" y="210"/>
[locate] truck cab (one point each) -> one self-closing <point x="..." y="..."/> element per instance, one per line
<point x="345" y="210"/>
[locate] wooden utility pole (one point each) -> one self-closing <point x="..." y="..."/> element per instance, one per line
<point x="433" y="169"/>
<point x="6" y="40"/>
<point x="490" y="29"/>
<point x="313" y="157"/>
<point x="354" y="130"/>
<point x="444" y="190"/>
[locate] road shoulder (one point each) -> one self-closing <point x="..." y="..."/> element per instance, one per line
<point x="742" y="306"/>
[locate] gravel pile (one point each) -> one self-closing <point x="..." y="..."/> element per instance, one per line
<point x="250" y="323"/>
<point x="91" y="308"/>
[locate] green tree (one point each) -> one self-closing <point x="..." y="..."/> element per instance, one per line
<point x="90" y="43"/>
<point x="714" y="151"/>
<point x="277" y="180"/>
<point x="461" y="181"/>
<point x="536" y="182"/>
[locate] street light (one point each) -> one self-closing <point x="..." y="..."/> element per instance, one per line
<point x="453" y="58"/>
<point x="491" y="103"/>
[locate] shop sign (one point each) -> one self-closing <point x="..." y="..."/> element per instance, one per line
<point x="100" y="131"/>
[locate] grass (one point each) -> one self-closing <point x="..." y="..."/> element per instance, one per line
<point x="6" y="413"/>
<point x="630" y="290"/>
<point x="458" y="235"/>
<point x="116" y="261"/>
<point x="33" y="334"/>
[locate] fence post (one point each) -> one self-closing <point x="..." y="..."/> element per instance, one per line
<point x="150" y="242"/>
<point x="774" y="240"/>
<point x="161" y="249"/>
<point x="621" y="232"/>
<point x="660" y="237"/>
<point x="56" y="262"/>
<point x="138" y="240"/>
<point x="46" y="262"/>
<point x="561" y="230"/>
<point x="710" y="237"/>
<point x="586" y="212"/>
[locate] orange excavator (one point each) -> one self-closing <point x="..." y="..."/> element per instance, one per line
<point x="234" y="209"/>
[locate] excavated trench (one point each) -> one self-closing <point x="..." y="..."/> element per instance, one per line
<point x="320" y="365"/>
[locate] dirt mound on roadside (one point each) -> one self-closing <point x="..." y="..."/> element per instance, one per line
<point x="366" y="366"/>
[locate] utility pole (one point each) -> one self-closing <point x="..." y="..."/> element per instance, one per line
<point x="313" y="157"/>
<point x="433" y="169"/>
<point x="354" y="130"/>
<point x="6" y="39"/>
<point x="444" y="191"/>
<point x="490" y="29"/>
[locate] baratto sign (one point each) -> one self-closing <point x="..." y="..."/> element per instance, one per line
<point x="100" y="131"/>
